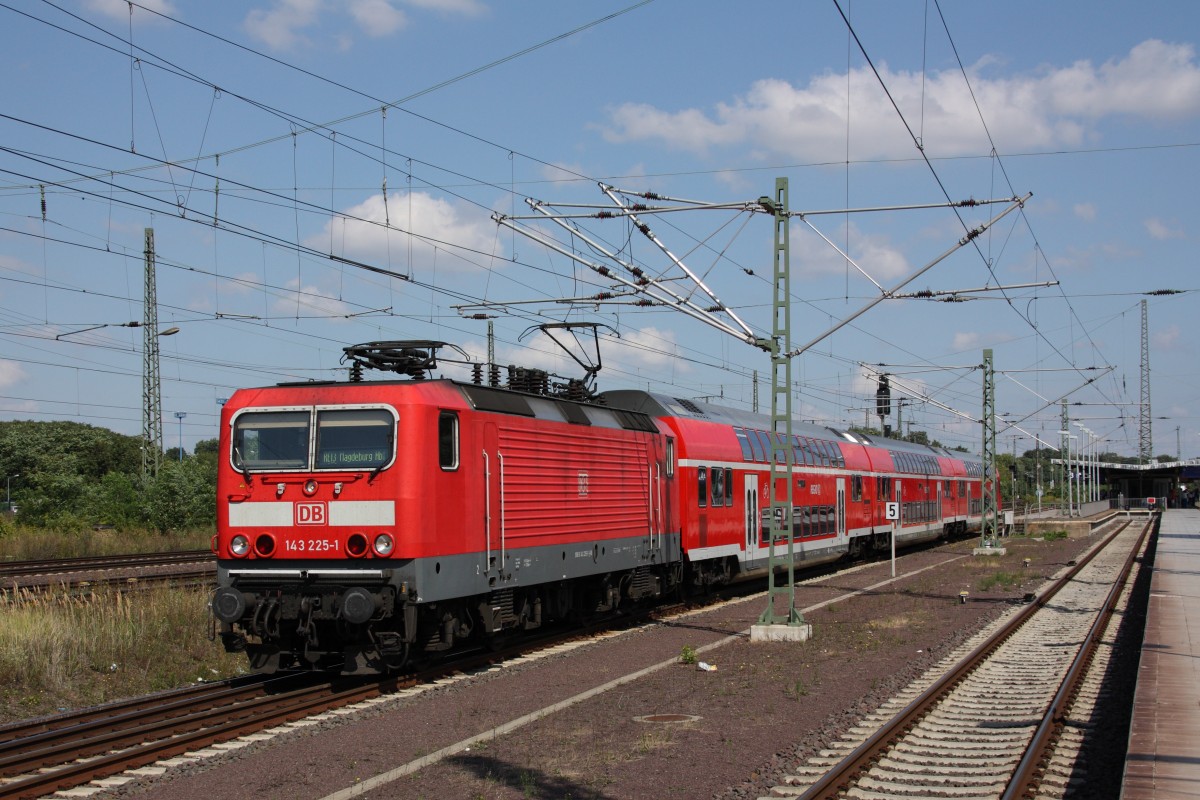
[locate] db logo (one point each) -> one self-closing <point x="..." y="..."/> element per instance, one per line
<point x="310" y="514"/>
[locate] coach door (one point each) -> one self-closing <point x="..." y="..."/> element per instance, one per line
<point x="750" y="482"/>
<point x="493" y="500"/>
<point x="841" y="507"/>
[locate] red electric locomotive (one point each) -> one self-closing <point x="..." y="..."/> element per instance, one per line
<point x="361" y="523"/>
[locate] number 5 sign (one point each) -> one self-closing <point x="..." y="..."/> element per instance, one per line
<point x="892" y="511"/>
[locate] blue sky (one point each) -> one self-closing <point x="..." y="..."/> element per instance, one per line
<point x="275" y="147"/>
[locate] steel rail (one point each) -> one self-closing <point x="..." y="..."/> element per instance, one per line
<point x="88" y="563"/>
<point x="172" y="737"/>
<point x="1028" y="773"/>
<point x="839" y="778"/>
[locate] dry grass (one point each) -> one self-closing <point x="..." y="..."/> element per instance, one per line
<point x="19" y="543"/>
<point x="60" y="651"/>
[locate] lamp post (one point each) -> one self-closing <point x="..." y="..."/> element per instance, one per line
<point x="1085" y="496"/>
<point x="8" y="491"/>
<point x="179" y="415"/>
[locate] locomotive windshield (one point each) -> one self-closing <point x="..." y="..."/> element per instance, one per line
<point x="346" y="439"/>
<point x="354" y="438"/>
<point x="266" y="440"/>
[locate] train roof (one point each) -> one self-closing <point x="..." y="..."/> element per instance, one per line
<point x="654" y="404"/>
<point x="663" y="405"/>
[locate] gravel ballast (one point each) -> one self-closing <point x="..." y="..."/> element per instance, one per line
<point x="730" y="732"/>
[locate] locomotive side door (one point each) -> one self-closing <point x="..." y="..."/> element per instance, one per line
<point x="493" y="495"/>
<point x="750" y="481"/>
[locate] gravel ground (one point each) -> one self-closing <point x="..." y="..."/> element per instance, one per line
<point x="766" y="707"/>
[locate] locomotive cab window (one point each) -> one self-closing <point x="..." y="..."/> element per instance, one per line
<point x="448" y="440"/>
<point x="354" y="438"/>
<point x="269" y="440"/>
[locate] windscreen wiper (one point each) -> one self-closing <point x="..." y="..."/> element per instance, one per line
<point x="240" y="465"/>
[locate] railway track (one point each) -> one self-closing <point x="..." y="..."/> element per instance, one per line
<point x="54" y="566"/>
<point x="42" y="756"/>
<point x="39" y="758"/>
<point x="138" y="570"/>
<point x="990" y="721"/>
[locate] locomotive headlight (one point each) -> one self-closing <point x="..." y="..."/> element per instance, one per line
<point x="384" y="544"/>
<point x="310" y="487"/>
<point x="239" y="545"/>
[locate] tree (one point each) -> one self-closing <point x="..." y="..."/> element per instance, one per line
<point x="74" y="475"/>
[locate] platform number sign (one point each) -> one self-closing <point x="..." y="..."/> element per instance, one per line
<point x="892" y="511"/>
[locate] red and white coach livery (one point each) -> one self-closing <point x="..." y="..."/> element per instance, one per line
<point x="361" y="523"/>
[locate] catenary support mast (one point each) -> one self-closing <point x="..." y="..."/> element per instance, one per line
<point x="151" y="387"/>
<point x="991" y="508"/>
<point x="782" y="455"/>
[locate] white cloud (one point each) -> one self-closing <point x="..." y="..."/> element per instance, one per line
<point x="643" y="349"/>
<point x="280" y="27"/>
<point x="309" y="301"/>
<point x="440" y="227"/>
<point x="874" y="254"/>
<point x="15" y="264"/>
<point x="1049" y="108"/>
<point x="11" y="373"/>
<point x="965" y="340"/>
<point x="284" y="25"/>
<point x="377" y="18"/>
<point x="1085" y="211"/>
<point x="119" y="9"/>
<point x="1169" y="338"/>
<point x="464" y="7"/>
<point x="1162" y="231"/>
<point x="1157" y="80"/>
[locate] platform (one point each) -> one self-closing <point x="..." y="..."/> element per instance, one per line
<point x="1163" y="761"/>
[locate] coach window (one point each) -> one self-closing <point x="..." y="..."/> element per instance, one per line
<point x="702" y="486"/>
<point x="764" y="445"/>
<point x="744" y="443"/>
<point x="448" y="440"/>
<point x="856" y="488"/>
<point x="354" y="438"/>
<point x="718" y="487"/>
<point x="729" y="487"/>
<point x="670" y="458"/>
